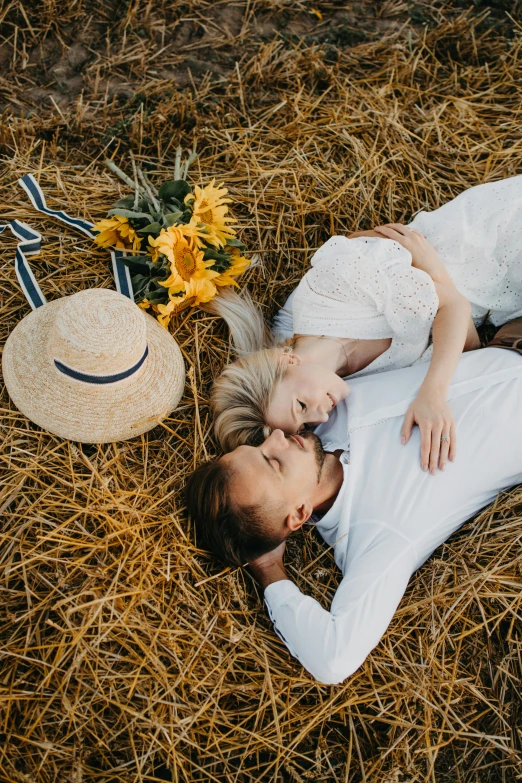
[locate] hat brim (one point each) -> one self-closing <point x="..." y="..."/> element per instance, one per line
<point x="86" y="412"/>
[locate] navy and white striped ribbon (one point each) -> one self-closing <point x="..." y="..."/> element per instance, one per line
<point x="121" y="272"/>
<point x="29" y="244"/>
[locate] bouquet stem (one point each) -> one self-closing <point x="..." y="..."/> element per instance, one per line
<point x="190" y="160"/>
<point x="177" y="163"/>
<point x="148" y="190"/>
<point x="121" y="174"/>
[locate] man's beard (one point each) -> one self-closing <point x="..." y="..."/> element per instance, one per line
<point x="319" y="452"/>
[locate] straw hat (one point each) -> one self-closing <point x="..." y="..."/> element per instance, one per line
<point x="93" y="367"/>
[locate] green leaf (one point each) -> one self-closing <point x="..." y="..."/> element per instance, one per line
<point x="144" y="265"/>
<point x="222" y="259"/>
<point x="137" y="262"/>
<point x="128" y="213"/>
<point x="173" y="217"/>
<point x="217" y="253"/>
<point x="236" y="243"/>
<point x="156" y="294"/>
<point x="152" y="228"/>
<point x="138" y="267"/>
<point x="140" y="284"/>
<point x="126" y="202"/>
<point x="174" y="189"/>
<point x="145" y="288"/>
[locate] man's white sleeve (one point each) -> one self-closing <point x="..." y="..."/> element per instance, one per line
<point x="332" y="645"/>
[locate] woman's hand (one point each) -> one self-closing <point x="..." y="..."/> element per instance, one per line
<point x="434" y="417"/>
<point x="423" y="255"/>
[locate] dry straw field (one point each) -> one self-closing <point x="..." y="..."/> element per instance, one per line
<point x="125" y="653"/>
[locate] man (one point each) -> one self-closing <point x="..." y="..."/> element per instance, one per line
<point x="369" y="498"/>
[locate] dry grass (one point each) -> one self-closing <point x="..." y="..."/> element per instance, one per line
<point x="126" y="654"/>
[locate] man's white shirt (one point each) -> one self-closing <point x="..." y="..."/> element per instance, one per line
<point x="389" y="515"/>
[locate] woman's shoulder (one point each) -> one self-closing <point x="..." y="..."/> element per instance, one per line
<point x="334" y="246"/>
<point x="338" y="247"/>
<point x="361" y="253"/>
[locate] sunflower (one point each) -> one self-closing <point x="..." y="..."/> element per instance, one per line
<point x="117" y="232"/>
<point x="238" y="266"/>
<point x="152" y="250"/>
<point x="203" y="290"/>
<point x="209" y="209"/>
<point x="196" y="292"/>
<point x="175" y="306"/>
<point x="186" y="258"/>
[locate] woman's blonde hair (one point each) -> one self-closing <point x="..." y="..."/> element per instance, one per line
<point x="244" y="319"/>
<point x="242" y="393"/>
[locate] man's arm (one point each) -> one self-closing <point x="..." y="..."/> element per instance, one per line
<point x="333" y="644"/>
<point x="269" y="568"/>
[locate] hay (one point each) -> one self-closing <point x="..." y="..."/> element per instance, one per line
<point x="126" y="654"/>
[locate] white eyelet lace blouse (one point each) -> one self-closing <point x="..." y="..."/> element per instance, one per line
<point x="366" y="288"/>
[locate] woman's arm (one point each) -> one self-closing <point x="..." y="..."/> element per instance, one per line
<point x="380" y="275"/>
<point x="451" y="333"/>
<point x="430" y="410"/>
<point x="425" y="257"/>
<point x="472" y="338"/>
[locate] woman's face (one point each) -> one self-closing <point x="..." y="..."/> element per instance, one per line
<point x="306" y="396"/>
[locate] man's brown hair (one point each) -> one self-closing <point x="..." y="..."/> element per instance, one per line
<point x="234" y="535"/>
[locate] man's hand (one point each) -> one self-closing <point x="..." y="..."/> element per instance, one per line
<point x="269" y="568"/>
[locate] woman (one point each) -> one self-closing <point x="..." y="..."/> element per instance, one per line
<point x="371" y="303"/>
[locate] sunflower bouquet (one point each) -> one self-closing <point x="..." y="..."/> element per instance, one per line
<point x="184" y="249"/>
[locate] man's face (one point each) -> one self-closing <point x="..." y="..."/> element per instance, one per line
<point x="281" y="474"/>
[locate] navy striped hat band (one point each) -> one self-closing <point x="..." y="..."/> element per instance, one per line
<point x="100" y="379"/>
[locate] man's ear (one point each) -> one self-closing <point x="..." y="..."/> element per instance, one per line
<point x="290" y="358"/>
<point x="297" y="518"/>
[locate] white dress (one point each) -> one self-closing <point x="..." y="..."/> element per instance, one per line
<point x="366" y="288"/>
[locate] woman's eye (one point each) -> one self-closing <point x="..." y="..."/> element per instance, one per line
<point x="303" y="406"/>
